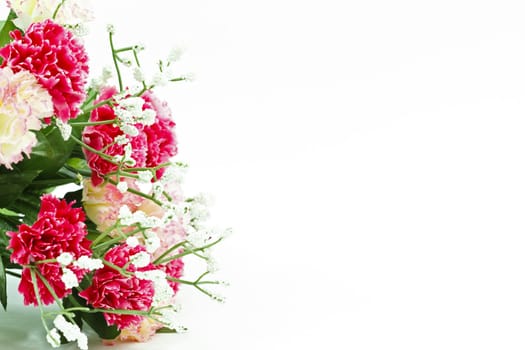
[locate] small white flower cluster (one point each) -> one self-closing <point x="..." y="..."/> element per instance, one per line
<point x="132" y="241"/>
<point x="139" y="217"/>
<point x="84" y="262"/>
<point x="98" y="83"/>
<point x="110" y="28"/>
<point x="141" y="259"/>
<point x="129" y="110"/>
<point x="79" y="29"/>
<point x="144" y="181"/>
<point x="70" y="331"/>
<point x="163" y="292"/>
<point x="152" y="241"/>
<point x="174" y="173"/>
<point x="127" y="158"/>
<point x="122" y="186"/>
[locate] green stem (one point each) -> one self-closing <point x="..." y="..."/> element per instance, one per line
<point x="114" y="54"/>
<point x="113" y="311"/>
<point x="117" y="239"/>
<point x="37" y="295"/>
<point x="138" y="193"/>
<point x="58" y="8"/>
<point x="92" y="150"/>
<point x="102" y="122"/>
<point x="167" y="252"/>
<point x="104" y="234"/>
<point x="136" y="56"/>
<point x="190" y="251"/>
<point x="124" y="49"/>
<point x="117" y="268"/>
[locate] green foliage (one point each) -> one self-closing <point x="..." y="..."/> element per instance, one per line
<point x="6" y="27"/>
<point x="47" y="157"/>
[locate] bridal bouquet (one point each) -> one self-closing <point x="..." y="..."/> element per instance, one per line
<point x="109" y="252"/>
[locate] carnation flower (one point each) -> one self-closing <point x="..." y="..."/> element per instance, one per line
<point x="140" y="332"/>
<point x="56" y="59"/>
<point x="111" y="290"/>
<point x="151" y="145"/>
<point x="102" y="203"/>
<point x="24" y="104"/>
<point x="59" y="228"/>
<point x="29" y="11"/>
<point x="103" y="137"/>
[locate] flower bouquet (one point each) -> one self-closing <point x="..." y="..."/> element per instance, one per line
<point x="92" y="215"/>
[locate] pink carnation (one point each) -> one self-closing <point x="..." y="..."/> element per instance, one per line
<point x="111" y="290"/>
<point x="56" y="59"/>
<point x="154" y="145"/>
<point x="59" y="228"/>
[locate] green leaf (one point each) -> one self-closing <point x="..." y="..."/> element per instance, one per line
<point x="7" y="212"/>
<point x="13" y="182"/>
<point x="7" y="27"/>
<point x="29" y="204"/>
<point x="46" y="158"/>
<point x="3" y="285"/>
<point x="74" y="196"/>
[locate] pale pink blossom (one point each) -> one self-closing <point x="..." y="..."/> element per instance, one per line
<point x="24" y="104"/>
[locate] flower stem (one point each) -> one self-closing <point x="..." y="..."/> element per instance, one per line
<point x="189" y="251"/>
<point x="115" y="62"/>
<point x="58" y="8"/>
<point x="102" y="122"/>
<point x="37" y="295"/>
<point x="159" y="259"/>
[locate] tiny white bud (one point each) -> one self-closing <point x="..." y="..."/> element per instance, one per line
<point x="69" y="278"/>
<point x="141" y="259"/>
<point x="132" y="241"/>
<point x="152" y="241"/>
<point x="122" y="186"/>
<point x="65" y="258"/>
<point x="130" y="130"/>
<point x="121" y="140"/>
<point x="82" y="341"/>
<point x="138" y="74"/>
<point x="85" y="262"/>
<point x="53" y="338"/>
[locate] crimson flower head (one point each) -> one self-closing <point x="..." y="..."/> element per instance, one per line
<point x="153" y="145"/>
<point x="56" y="59"/>
<point x="112" y="290"/>
<point x="59" y="228"/>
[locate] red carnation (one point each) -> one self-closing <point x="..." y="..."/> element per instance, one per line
<point x="59" y="228"/>
<point x="111" y="290"/>
<point x="155" y="144"/>
<point x="102" y="137"/>
<point x="56" y="59"/>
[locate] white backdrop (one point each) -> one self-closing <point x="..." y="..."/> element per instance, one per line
<point x="369" y="156"/>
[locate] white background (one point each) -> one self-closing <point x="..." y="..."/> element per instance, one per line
<point x="369" y="156"/>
